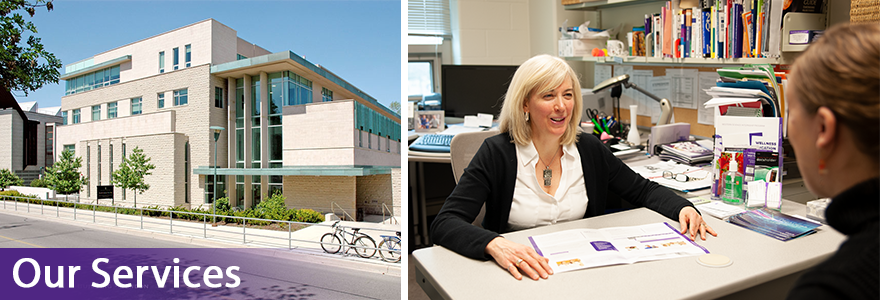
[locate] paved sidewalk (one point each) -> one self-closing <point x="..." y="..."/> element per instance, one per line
<point x="303" y="241"/>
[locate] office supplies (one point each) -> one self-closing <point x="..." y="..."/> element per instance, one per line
<point x="577" y="249"/>
<point x="719" y="210"/>
<point x="655" y="173"/>
<point x="686" y="152"/>
<point x="774" y="224"/>
<point x="633" y="136"/>
<point x="623" y="80"/>
<point x="816" y="209"/>
<point x="432" y="143"/>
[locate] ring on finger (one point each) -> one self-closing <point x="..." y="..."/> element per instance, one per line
<point x="518" y="261"/>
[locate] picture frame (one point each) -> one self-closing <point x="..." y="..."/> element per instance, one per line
<point x="429" y="121"/>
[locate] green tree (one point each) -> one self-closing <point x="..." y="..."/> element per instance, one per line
<point x="132" y="171"/>
<point x="63" y="176"/>
<point x="7" y="178"/>
<point x="25" y="64"/>
<point x="395" y="106"/>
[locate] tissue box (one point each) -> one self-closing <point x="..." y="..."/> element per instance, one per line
<point x="580" y="47"/>
<point x="816" y="209"/>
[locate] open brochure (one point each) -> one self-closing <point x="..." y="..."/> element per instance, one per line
<point x="586" y="248"/>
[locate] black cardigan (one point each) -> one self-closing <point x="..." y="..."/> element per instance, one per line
<point x="853" y="272"/>
<point x="491" y="177"/>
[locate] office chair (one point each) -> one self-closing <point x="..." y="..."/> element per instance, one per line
<point x="462" y="150"/>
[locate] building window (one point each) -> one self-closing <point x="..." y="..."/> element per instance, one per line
<point x="370" y="139"/>
<point x="186" y="173"/>
<point x="180" y="97"/>
<point x="161" y="61"/>
<point x="255" y="189"/>
<point x="209" y="188"/>
<point x="71" y="148"/>
<point x="175" y="53"/>
<point x="76" y="116"/>
<point x="218" y="97"/>
<point x="326" y="95"/>
<point x="388" y="144"/>
<point x="239" y="123"/>
<point x="111" y="110"/>
<point x="299" y="89"/>
<point x="96" y="113"/>
<point x="240" y="57"/>
<point x="187" y="57"/>
<point x="93" y="80"/>
<point x="123" y="158"/>
<point x="50" y="145"/>
<point x="136" y="106"/>
<point x="64" y="117"/>
<point x="161" y="99"/>
<point x="276" y="186"/>
<point x="99" y="164"/>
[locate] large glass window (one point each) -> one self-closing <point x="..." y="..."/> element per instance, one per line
<point x="111" y="110"/>
<point x="71" y="148"/>
<point x="209" y="188"/>
<point x="299" y="89"/>
<point x="180" y="97"/>
<point x="50" y="145"/>
<point x="256" y="109"/>
<point x="64" y="117"/>
<point x="160" y="99"/>
<point x="136" y="106"/>
<point x="276" y="186"/>
<point x="161" y="61"/>
<point x="76" y="116"/>
<point x="188" y="56"/>
<point x="93" y="80"/>
<point x="175" y="53"/>
<point x="239" y="122"/>
<point x="371" y="121"/>
<point x="218" y="97"/>
<point x="255" y="143"/>
<point x="255" y="189"/>
<point x="240" y="57"/>
<point x="420" y="78"/>
<point x="326" y="95"/>
<point x="96" y="113"/>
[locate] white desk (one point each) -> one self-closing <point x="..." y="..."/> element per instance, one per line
<point x="761" y="266"/>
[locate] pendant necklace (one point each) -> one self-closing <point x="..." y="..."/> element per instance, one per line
<point x="548" y="173"/>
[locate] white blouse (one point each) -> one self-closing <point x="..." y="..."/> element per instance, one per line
<point x="532" y="206"/>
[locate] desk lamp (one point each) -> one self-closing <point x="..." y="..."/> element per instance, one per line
<point x="613" y="82"/>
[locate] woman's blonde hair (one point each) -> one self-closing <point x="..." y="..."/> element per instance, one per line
<point x="841" y="71"/>
<point x="538" y="75"/>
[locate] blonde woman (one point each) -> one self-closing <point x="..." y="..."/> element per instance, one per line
<point x="834" y="128"/>
<point x="542" y="170"/>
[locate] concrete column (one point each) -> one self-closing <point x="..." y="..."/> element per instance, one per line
<point x="317" y="97"/>
<point x="248" y="199"/>
<point x="231" y="106"/>
<point x="264" y="132"/>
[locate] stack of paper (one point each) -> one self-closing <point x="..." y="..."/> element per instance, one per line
<point x="685" y="152"/>
<point x="750" y="86"/>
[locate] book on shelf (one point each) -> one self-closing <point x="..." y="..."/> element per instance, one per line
<point x="686" y="152"/>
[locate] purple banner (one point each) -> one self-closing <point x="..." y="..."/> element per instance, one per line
<point x="602" y="246"/>
<point x="136" y="273"/>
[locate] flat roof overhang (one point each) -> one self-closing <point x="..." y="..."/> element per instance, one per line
<point x="109" y="63"/>
<point x="299" y="171"/>
<point x="289" y="61"/>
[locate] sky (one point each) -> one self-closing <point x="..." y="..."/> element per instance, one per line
<point x="358" y="41"/>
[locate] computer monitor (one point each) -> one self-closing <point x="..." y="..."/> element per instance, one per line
<point x="468" y="90"/>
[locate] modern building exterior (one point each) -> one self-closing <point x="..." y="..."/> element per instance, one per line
<point x="27" y="134"/>
<point x="290" y="126"/>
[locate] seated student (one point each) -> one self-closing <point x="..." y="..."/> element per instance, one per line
<point x="834" y="128"/>
<point x="542" y="170"/>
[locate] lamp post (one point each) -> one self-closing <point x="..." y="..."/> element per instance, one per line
<point x="217" y="130"/>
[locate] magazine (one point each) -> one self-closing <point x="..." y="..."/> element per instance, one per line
<point x="774" y="224"/>
<point x="586" y="248"/>
<point x="686" y="152"/>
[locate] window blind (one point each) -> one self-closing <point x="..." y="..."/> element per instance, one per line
<point x="428" y="17"/>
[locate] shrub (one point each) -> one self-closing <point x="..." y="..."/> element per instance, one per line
<point x="222" y="205"/>
<point x="38" y="183"/>
<point x="7" y="178"/>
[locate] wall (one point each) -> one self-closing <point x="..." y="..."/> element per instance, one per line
<point x="6" y="130"/>
<point x="373" y="191"/>
<point x="490" y="32"/>
<point x="319" y="192"/>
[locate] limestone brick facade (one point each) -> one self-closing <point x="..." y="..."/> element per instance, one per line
<point x="12" y="137"/>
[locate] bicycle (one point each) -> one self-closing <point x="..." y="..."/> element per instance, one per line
<point x="331" y="242"/>
<point x="389" y="248"/>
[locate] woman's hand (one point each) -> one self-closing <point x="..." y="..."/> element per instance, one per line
<point x="515" y="257"/>
<point x="691" y="221"/>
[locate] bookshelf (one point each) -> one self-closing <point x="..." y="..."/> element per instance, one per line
<point x="594" y="5"/>
<point x="673" y="61"/>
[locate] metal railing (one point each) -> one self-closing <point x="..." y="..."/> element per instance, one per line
<point x="390" y="213"/>
<point x="333" y="207"/>
<point x="183" y="225"/>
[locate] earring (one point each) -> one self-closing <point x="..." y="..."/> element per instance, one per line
<point x="822" y="170"/>
<point x="527" y="117"/>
